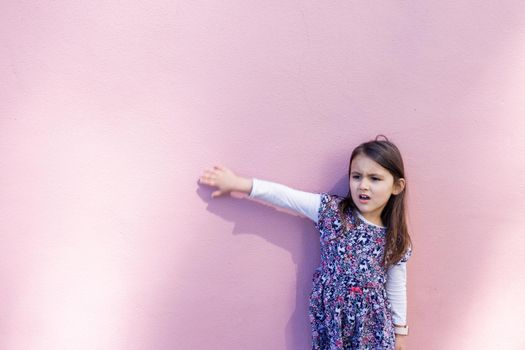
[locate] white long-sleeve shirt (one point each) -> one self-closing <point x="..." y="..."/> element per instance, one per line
<point x="307" y="204"/>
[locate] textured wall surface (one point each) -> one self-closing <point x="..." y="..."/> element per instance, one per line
<point x="110" y="111"/>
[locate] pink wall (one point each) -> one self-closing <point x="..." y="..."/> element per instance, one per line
<point x="111" y="110"/>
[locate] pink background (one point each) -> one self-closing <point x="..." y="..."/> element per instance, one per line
<point x="110" y="111"/>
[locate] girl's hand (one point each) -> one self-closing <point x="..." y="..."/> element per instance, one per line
<point x="225" y="181"/>
<point x="401" y="342"/>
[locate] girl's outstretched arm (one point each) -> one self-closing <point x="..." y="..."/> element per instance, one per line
<point x="305" y="203"/>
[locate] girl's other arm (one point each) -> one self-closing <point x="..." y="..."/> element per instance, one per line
<point x="396" y="292"/>
<point x="304" y="203"/>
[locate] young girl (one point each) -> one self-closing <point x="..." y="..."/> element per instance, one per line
<point x="358" y="300"/>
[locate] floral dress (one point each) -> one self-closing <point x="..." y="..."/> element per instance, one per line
<point x="349" y="308"/>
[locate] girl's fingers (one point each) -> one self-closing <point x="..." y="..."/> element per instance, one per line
<point x="206" y="179"/>
<point x="210" y="175"/>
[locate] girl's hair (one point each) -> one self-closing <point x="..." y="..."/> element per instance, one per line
<point x="386" y="154"/>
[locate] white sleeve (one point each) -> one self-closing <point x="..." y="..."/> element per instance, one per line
<point x="396" y="292"/>
<point x="304" y="203"/>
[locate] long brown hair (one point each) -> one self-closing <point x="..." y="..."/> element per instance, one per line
<point x="386" y="154"/>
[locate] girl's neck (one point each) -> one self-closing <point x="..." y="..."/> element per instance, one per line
<point x="369" y="221"/>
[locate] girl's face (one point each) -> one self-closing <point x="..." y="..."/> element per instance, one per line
<point x="369" y="178"/>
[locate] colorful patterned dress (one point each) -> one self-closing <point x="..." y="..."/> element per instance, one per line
<point x="349" y="308"/>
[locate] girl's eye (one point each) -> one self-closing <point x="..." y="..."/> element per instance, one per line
<point x="374" y="178"/>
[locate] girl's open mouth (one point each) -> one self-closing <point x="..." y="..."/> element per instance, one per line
<point x="363" y="198"/>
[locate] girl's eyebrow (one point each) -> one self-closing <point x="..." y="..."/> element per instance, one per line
<point x="373" y="174"/>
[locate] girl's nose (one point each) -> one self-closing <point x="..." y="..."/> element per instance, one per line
<point x="363" y="185"/>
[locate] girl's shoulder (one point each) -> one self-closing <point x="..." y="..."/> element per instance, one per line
<point x="330" y="218"/>
<point x="330" y="203"/>
<point x="330" y="197"/>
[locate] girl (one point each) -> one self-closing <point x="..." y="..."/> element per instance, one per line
<point x="358" y="299"/>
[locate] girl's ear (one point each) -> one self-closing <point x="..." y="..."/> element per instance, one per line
<point x="399" y="186"/>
